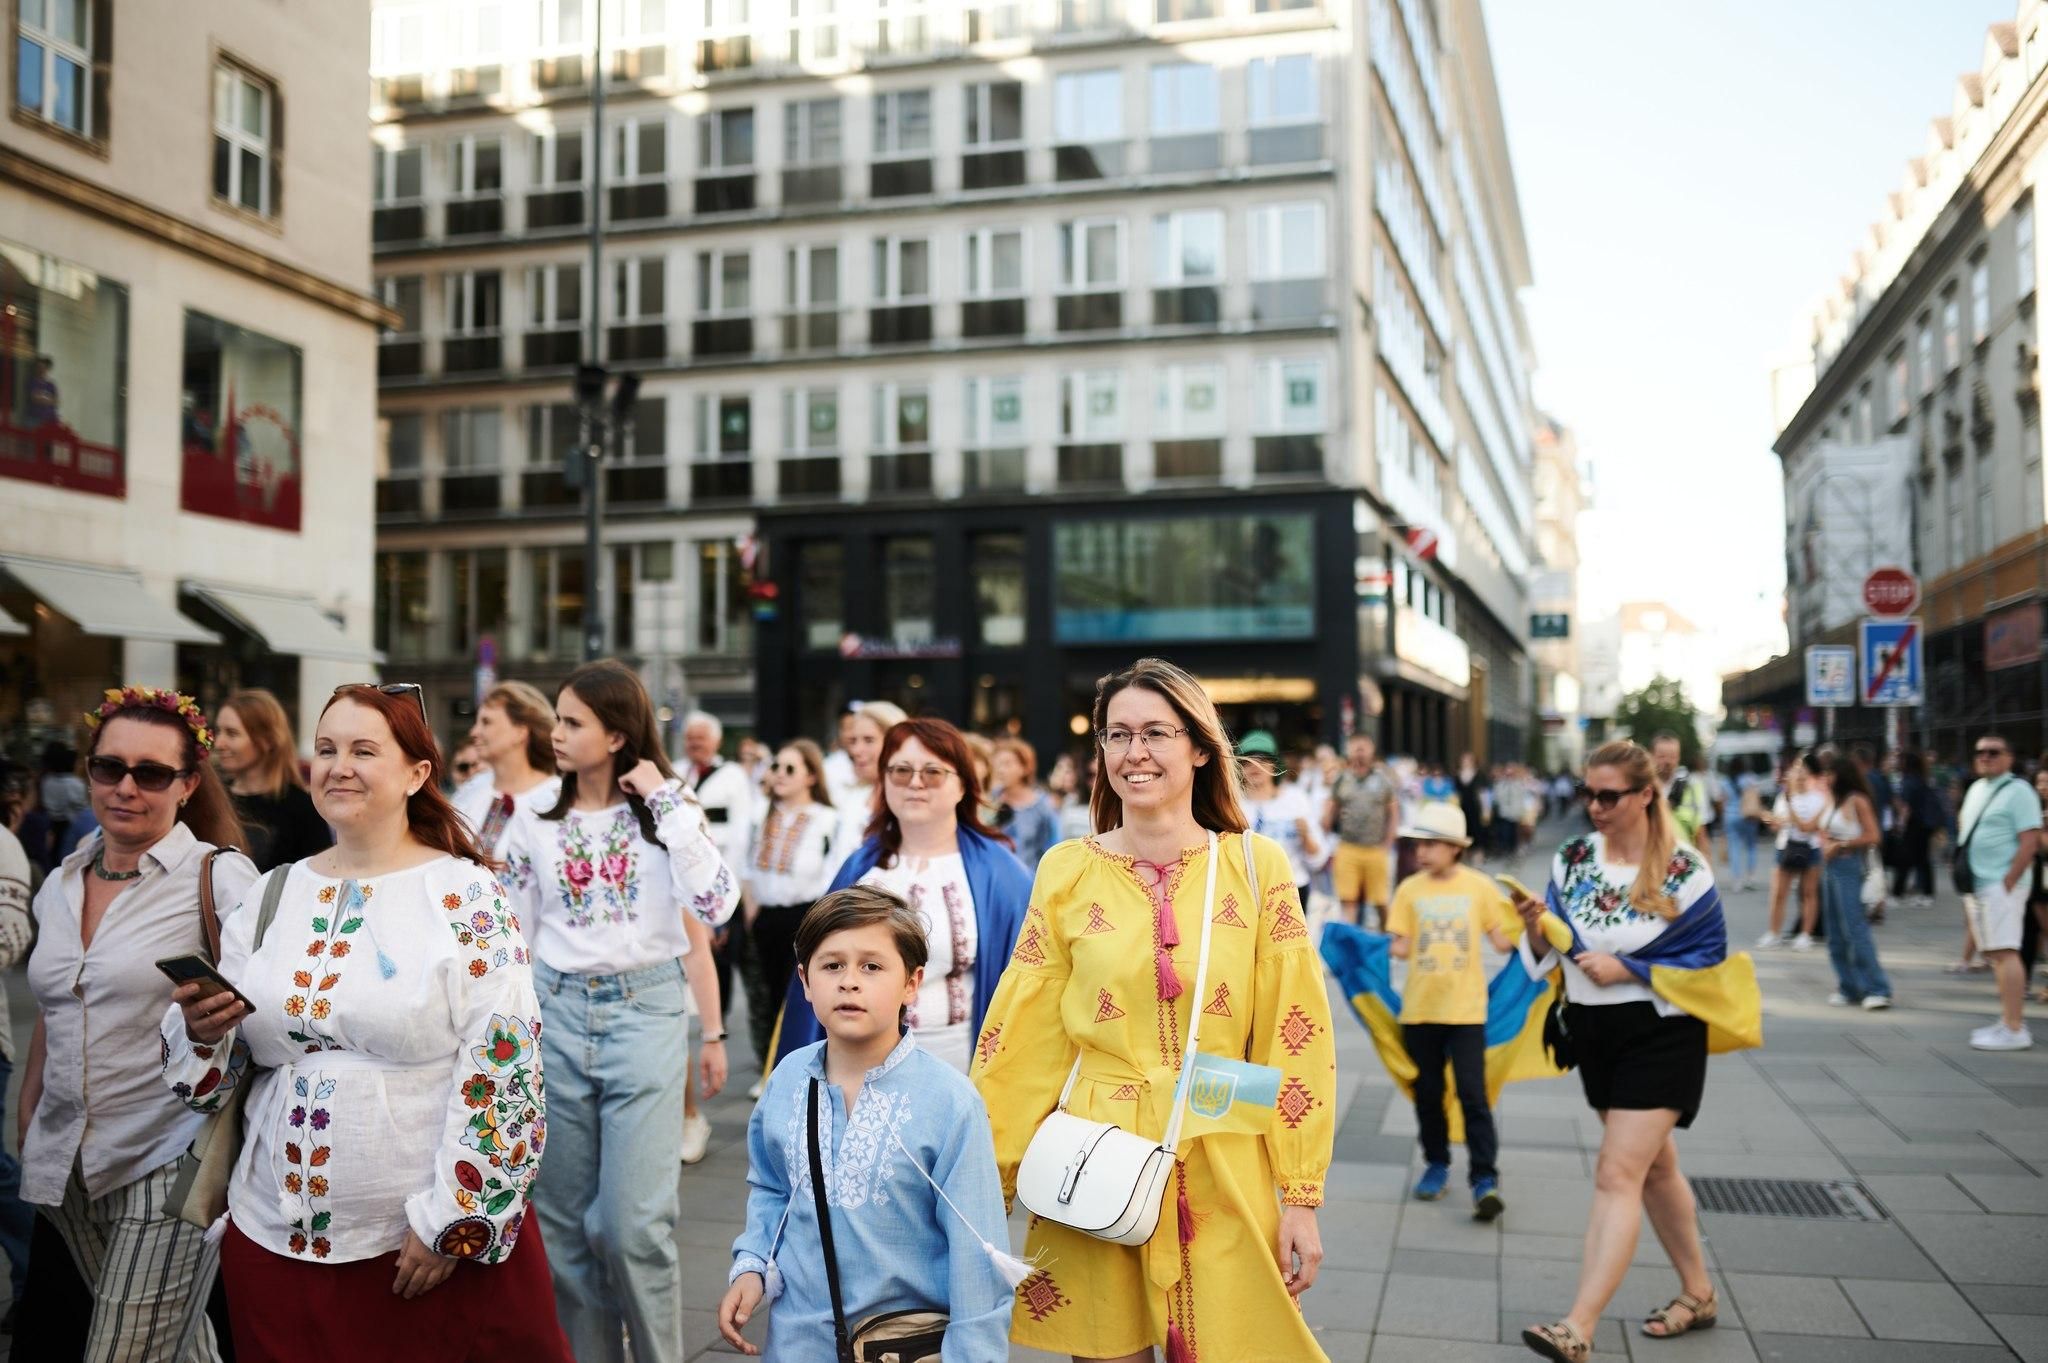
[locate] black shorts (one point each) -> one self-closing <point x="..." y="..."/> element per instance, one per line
<point x="1631" y="1058"/>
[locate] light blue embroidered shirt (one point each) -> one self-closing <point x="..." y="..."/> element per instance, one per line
<point x="899" y="1247"/>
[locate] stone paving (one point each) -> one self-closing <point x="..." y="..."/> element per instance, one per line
<point x="1952" y="1143"/>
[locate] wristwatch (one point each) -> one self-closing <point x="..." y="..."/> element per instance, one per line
<point x="707" y="1040"/>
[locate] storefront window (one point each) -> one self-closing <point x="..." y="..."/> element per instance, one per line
<point x="239" y="426"/>
<point x="907" y="589"/>
<point x="725" y="622"/>
<point x="998" y="570"/>
<point x="821" y="593"/>
<point x="403" y="609"/>
<point x="476" y="588"/>
<point x="63" y="373"/>
<point x="1207" y="577"/>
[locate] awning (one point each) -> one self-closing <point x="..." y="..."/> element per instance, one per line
<point x="286" y="622"/>
<point x="10" y="625"/>
<point x="109" y="602"/>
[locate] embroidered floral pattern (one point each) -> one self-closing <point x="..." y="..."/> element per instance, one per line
<point x="597" y="877"/>
<point x="343" y="908"/>
<point x="506" y="1129"/>
<point x="1595" y="903"/>
<point x="305" y="1192"/>
<point x="864" y="1165"/>
<point x="960" y="979"/>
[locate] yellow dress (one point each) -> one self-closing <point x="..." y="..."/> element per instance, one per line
<point x="1084" y="974"/>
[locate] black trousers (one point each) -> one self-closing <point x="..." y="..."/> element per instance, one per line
<point x="1430" y="1045"/>
<point x="1915" y="860"/>
<point x="774" y="941"/>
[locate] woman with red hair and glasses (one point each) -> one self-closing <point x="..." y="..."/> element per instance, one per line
<point x="396" y="1118"/>
<point x="927" y="843"/>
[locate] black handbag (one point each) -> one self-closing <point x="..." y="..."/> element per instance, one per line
<point x="1557" y="1037"/>
<point x="893" y="1336"/>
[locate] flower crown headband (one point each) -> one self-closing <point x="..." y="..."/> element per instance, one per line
<point x="150" y="698"/>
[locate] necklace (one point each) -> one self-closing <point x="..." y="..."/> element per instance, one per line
<point x="99" y="868"/>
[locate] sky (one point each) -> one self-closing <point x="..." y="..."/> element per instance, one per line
<point x="1692" y="178"/>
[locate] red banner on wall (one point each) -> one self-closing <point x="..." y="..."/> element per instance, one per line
<point x="2012" y="638"/>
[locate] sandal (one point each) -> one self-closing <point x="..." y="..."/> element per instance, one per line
<point x="1560" y="1342"/>
<point x="1704" y="1312"/>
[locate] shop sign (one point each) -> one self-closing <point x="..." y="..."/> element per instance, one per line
<point x="1424" y="643"/>
<point x="2012" y="638"/>
<point x="854" y="646"/>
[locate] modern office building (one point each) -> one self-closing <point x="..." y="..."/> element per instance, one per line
<point x="187" y="355"/>
<point x="983" y="347"/>
<point x="1557" y="624"/>
<point x="1919" y="440"/>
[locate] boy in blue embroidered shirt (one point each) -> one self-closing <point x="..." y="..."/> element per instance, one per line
<point x="901" y="1136"/>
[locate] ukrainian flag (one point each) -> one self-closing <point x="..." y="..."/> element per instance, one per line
<point x="1229" y="1096"/>
<point x="1515" y="1007"/>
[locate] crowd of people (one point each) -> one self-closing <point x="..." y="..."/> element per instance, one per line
<point x="401" y="995"/>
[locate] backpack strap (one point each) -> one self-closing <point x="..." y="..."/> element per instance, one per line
<point x="273" y="893"/>
<point x="209" y="914"/>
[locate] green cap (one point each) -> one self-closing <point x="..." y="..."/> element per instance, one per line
<point x="1259" y="743"/>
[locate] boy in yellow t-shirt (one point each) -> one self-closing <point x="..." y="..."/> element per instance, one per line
<point x="1439" y="917"/>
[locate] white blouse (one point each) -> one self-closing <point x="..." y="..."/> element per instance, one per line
<point x="795" y="854"/>
<point x="397" y="1043"/>
<point x="601" y="899"/>
<point x="936" y="890"/>
<point x="489" y="814"/>
<point x="1594" y="893"/>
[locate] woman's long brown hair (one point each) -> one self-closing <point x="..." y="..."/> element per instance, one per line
<point x="614" y="694"/>
<point x="1633" y="761"/>
<point x="428" y="815"/>
<point x="276" y="768"/>
<point x="210" y="813"/>
<point x="1218" y="794"/>
<point x="946" y="743"/>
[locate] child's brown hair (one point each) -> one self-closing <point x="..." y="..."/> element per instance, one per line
<point x="860" y="906"/>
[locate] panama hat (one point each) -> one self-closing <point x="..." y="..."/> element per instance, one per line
<point x="1259" y="743"/>
<point x="1438" y="822"/>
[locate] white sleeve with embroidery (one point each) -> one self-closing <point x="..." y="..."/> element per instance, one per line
<point x="704" y="885"/>
<point x="204" y="1076"/>
<point x="490" y="1141"/>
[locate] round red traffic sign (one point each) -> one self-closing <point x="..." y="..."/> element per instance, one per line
<point x="1891" y="591"/>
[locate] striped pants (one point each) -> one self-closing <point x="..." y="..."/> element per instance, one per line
<point x="150" y="1272"/>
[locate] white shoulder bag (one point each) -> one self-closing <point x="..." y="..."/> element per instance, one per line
<point x="1096" y="1177"/>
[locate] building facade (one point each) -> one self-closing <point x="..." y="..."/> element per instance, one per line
<point x="982" y="347"/>
<point x="1557" y="625"/>
<point x="1919" y="441"/>
<point x="187" y="355"/>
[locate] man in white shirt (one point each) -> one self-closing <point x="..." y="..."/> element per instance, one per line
<point x="725" y="791"/>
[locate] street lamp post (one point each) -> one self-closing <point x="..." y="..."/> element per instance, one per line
<point x="590" y="375"/>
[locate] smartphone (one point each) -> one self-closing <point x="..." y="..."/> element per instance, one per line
<point x="1516" y="887"/>
<point x="193" y="967"/>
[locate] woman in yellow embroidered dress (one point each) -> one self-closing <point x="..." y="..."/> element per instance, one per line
<point x="1114" y="929"/>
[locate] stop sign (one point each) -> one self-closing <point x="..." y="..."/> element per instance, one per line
<point x="1891" y="591"/>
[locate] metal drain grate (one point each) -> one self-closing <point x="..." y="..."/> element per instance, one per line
<point x="1811" y="1199"/>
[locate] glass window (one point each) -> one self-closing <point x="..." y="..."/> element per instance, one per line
<point x="400" y="439"/>
<point x="1951" y="330"/>
<point x="555" y="593"/>
<point x="725" y="426"/>
<point x="903" y="123"/>
<point x="811" y="420"/>
<point x="820" y="593"/>
<point x="903" y="416"/>
<point x="1190" y="401"/>
<point x="646" y="435"/>
<point x="724" y="283"/>
<point x="908" y="579"/>
<point x="477" y="597"/>
<point x="554" y="295"/>
<point x="1283" y="90"/>
<point x="1287" y="241"/>
<point x="479" y="165"/>
<point x="725" y="621"/>
<point x="1092" y="406"/>
<point x="240" y="424"/>
<point x="640" y="289"/>
<point x="1187" y="578"/>
<point x="995" y="262"/>
<point x="1185" y="99"/>
<point x="2023" y="244"/>
<point x="996" y="565"/>
<point x="1980" y="301"/>
<point x="63" y="368"/>
<point x="1092" y="254"/>
<point x="557" y="159"/>
<point x="395" y="175"/>
<point x="470" y="438"/>
<point x="473" y="302"/>
<point x="725" y="140"/>
<point x="552" y="429"/>
<point x="1187" y="247"/>
<point x="1901" y="384"/>
<point x="639" y="149"/>
<point x="53" y="62"/>
<point x="1088" y="106"/>
<point x="1925" y="349"/>
<point x="1288" y="398"/>
<point x="995" y="113"/>
<point x="242" y="139"/>
<point x="995" y="413"/>
<point x="810" y="133"/>
<point x="811" y="280"/>
<point x="902" y="270"/>
<point x="403" y="607"/>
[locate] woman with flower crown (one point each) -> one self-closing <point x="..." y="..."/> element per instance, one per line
<point x="390" y="1035"/>
<point x="100" y="1137"/>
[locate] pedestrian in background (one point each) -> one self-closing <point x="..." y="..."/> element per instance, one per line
<point x="17" y="1221"/>
<point x="101" y="1136"/>
<point x="1848" y="832"/>
<point x="63" y="795"/>
<point x="513" y="737"/>
<point x="1745" y="816"/>
<point x="1024" y="812"/>
<point x="1364" y="812"/>
<point x="2000" y="827"/>
<point x="1922" y="818"/>
<point x="1277" y="811"/>
<point x="618" y="885"/>
<point x="257" y="757"/>
<point x="1795" y="816"/>
<point x="858" y="795"/>
<point x="795" y="855"/>
<point x="2037" y="900"/>
<point x="726" y="792"/>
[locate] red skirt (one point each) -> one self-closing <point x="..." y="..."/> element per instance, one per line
<point x="290" y="1311"/>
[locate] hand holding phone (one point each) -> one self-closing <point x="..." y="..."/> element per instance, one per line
<point x="211" y="1004"/>
<point x="1515" y="888"/>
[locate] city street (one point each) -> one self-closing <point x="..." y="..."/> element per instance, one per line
<point x="1951" y="1143"/>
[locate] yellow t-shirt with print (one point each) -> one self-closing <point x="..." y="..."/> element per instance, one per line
<point x="1445" y="922"/>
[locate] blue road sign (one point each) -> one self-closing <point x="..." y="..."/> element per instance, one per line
<point x="1830" y="674"/>
<point x="1892" y="674"/>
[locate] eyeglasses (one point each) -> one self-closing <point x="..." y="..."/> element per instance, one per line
<point x="412" y="689"/>
<point x="1990" y="752"/>
<point x="1608" y="799"/>
<point x="111" y="771"/>
<point x="902" y="774"/>
<point x="1151" y="736"/>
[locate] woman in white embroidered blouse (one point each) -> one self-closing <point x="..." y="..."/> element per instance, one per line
<point x="396" y="1119"/>
<point x="514" y="735"/>
<point x="796" y="849"/>
<point x="101" y="1139"/>
<point x="618" y="880"/>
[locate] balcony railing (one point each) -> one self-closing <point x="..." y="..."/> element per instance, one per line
<point x="1288" y="456"/>
<point x="483" y="216"/>
<point x="722" y="336"/>
<point x="472" y="494"/>
<point x="899" y="179"/>
<point x="1089" y="160"/>
<point x="1187" y="461"/>
<point x="560" y="73"/>
<point x="1090" y="311"/>
<point x="549" y="349"/>
<point x="1091" y="466"/>
<point x="637" y="341"/>
<point x="807" y="476"/>
<point x="1186" y="152"/>
<point x="900" y="473"/>
<point x="476" y="82"/>
<point x="1290" y="300"/>
<point x="472" y="354"/>
<point x="545" y="489"/>
<point x="1198" y="305"/>
<point x="396" y="223"/>
<point x="992" y="317"/>
<point x="992" y="471"/>
<point x="810" y="332"/>
<point x="398" y="497"/>
<point x="636" y="203"/>
<point x="717" y="55"/>
<point x="640" y="65"/>
<point x="401" y="359"/>
<point x="725" y="193"/>
<point x="803" y="185"/>
<point x="552" y="208"/>
<point x="1003" y="169"/>
<point x="643" y="481"/>
<point x="54" y="455"/>
<point x="1287" y="145"/>
<point x="722" y="480"/>
<point x="900" y="324"/>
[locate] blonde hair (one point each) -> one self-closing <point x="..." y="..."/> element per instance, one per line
<point x="276" y="768"/>
<point x="527" y="708"/>
<point x="1633" y="761"/>
<point x="885" y="715"/>
<point x="1218" y="793"/>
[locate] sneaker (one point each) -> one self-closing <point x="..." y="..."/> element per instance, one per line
<point x="1839" y="1000"/>
<point x="1877" y="1003"/>
<point x="1435" y="1179"/>
<point x="1803" y="942"/>
<point x="1486" y="1203"/>
<point x="696" y="1138"/>
<point x="754" y="1090"/>
<point x="1769" y="940"/>
<point x="1999" y="1037"/>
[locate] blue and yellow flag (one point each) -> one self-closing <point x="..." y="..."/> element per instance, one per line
<point x="1230" y="1096"/>
<point x="1687" y="965"/>
<point x="1515" y="1005"/>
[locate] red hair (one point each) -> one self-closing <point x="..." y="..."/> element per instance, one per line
<point x="946" y="743"/>
<point x="428" y="814"/>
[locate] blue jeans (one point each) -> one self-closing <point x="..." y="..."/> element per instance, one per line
<point x="1741" y="848"/>
<point x="17" y="1218"/>
<point x="614" y="1050"/>
<point x="1850" y="947"/>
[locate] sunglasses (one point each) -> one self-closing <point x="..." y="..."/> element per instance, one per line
<point x="788" y="768"/>
<point x="152" y="776"/>
<point x="1608" y="799"/>
<point x="1990" y="752"/>
<point x="412" y="689"/>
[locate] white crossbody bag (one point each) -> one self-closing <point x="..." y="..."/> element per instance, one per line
<point x="1096" y="1177"/>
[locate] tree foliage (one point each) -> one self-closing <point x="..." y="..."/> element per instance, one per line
<point x="1658" y="707"/>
